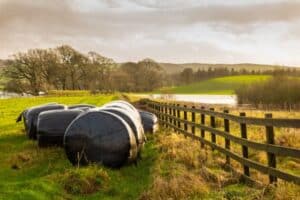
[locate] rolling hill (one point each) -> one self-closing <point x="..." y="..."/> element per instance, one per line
<point x="172" y="68"/>
<point x="222" y="85"/>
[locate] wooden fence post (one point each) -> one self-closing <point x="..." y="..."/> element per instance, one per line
<point x="170" y="114"/>
<point x="174" y="115"/>
<point x="193" y="120"/>
<point x="271" y="156"/>
<point x="213" y="125"/>
<point x="227" y="141"/>
<point x="243" y="127"/>
<point x="160" y="112"/>
<point x="178" y="117"/>
<point x="157" y="110"/>
<point x="185" y="118"/>
<point x="202" y="123"/>
<point x="166" y="115"/>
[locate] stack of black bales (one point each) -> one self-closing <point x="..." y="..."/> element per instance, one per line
<point x="111" y="135"/>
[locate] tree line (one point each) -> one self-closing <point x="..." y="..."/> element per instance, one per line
<point x="280" y="92"/>
<point x="188" y="75"/>
<point x="64" y="68"/>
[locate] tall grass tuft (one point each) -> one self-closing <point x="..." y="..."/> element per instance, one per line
<point x="85" y="180"/>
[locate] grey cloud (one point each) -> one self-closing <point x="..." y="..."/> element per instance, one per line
<point x="32" y="23"/>
<point x="60" y="14"/>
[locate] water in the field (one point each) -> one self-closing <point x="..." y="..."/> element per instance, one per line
<point x="6" y="95"/>
<point x="205" y="99"/>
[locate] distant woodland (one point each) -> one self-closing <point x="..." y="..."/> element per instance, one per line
<point x="64" y="68"/>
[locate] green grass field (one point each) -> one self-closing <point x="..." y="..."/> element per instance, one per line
<point x="27" y="172"/>
<point x="172" y="167"/>
<point x="223" y="85"/>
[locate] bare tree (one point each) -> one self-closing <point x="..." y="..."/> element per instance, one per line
<point x="25" y="68"/>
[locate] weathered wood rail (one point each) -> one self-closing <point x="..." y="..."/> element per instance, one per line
<point x="169" y="115"/>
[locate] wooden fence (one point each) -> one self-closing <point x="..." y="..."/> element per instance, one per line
<point x="170" y="116"/>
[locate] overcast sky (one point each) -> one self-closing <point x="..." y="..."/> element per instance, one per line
<point x="211" y="31"/>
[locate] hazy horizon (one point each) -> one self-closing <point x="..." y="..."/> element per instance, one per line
<point x="168" y="31"/>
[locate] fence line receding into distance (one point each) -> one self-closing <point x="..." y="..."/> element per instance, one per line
<point x="169" y="115"/>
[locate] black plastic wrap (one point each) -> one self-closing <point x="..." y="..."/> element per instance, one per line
<point x="51" y="126"/>
<point x="149" y="121"/>
<point x="126" y="106"/>
<point x="81" y="106"/>
<point x="31" y="117"/>
<point x="134" y="124"/>
<point x="22" y="116"/>
<point x="100" y="137"/>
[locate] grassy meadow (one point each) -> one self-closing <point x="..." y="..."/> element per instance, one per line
<point x="172" y="166"/>
<point x="222" y="85"/>
<point x="28" y="172"/>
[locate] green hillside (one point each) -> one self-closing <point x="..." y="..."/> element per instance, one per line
<point x="172" y="68"/>
<point x="222" y="85"/>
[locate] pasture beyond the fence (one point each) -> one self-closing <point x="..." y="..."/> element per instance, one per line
<point x="170" y="115"/>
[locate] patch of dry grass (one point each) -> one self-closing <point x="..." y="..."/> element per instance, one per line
<point x="180" y="184"/>
<point x="32" y="156"/>
<point x="176" y="148"/>
<point x="86" y="180"/>
<point x="286" y="191"/>
<point x="183" y="170"/>
<point x="176" y="174"/>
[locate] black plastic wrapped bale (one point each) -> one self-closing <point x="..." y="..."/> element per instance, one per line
<point x="23" y="116"/>
<point x="100" y="137"/>
<point x="130" y="109"/>
<point x="124" y="105"/>
<point x="134" y="124"/>
<point x="32" y="117"/>
<point x="149" y="121"/>
<point x="51" y="126"/>
<point x="81" y="106"/>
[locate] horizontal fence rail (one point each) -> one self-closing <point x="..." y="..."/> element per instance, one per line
<point x="170" y="116"/>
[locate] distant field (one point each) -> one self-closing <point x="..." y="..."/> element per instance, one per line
<point x="223" y="85"/>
